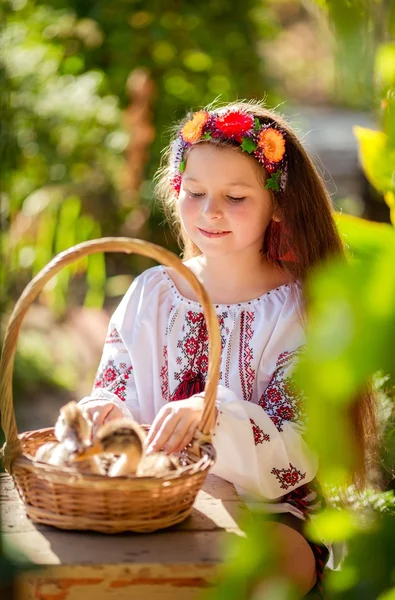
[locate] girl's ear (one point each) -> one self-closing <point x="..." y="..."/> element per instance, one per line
<point x="277" y="216"/>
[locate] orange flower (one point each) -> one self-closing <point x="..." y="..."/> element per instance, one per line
<point x="192" y="130"/>
<point x="272" y="144"/>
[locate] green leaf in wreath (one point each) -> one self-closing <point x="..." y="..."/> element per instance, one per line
<point x="273" y="183"/>
<point x="248" y="145"/>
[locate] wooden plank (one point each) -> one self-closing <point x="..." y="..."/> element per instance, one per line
<point x="197" y="540"/>
<point x="208" y="514"/>
<point x="73" y="548"/>
<point x="120" y="582"/>
<point x="172" y="564"/>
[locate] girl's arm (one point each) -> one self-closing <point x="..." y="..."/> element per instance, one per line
<point x="260" y="447"/>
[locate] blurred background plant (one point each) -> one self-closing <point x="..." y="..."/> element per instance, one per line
<point x="89" y="90"/>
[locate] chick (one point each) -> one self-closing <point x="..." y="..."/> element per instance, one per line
<point x="53" y="453"/>
<point x="156" y="464"/>
<point x="73" y="428"/>
<point x="126" y="438"/>
<point x="73" y="431"/>
<point x="123" y="437"/>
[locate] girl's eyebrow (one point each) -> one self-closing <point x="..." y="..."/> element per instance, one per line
<point x="233" y="183"/>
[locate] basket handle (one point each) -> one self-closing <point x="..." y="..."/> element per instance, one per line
<point x="13" y="447"/>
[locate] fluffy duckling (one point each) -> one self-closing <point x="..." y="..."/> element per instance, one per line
<point x="73" y="428"/>
<point x="156" y="464"/>
<point x="53" y="453"/>
<point x="73" y="432"/>
<point x="126" y="438"/>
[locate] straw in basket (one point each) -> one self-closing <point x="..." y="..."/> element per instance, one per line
<point x="61" y="497"/>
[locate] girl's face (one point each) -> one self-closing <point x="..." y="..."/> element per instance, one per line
<point x="223" y="204"/>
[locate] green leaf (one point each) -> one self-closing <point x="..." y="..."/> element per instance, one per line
<point x="207" y="136"/>
<point x="248" y="145"/>
<point x="257" y="124"/>
<point x="385" y="65"/>
<point x="389" y="198"/>
<point x="273" y="183"/>
<point x="333" y="525"/>
<point x="182" y="166"/>
<point x="364" y="238"/>
<point x="377" y="158"/>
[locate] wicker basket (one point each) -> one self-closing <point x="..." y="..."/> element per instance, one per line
<point x="69" y="500"/>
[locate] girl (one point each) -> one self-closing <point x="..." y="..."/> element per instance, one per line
<point x="253" y="218"/>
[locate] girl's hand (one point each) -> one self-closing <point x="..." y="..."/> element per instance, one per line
<point x="100" y="412"/>
<point x="175" y="425"/>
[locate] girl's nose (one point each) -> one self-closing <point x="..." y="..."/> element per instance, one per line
<point x="212" y="207"/>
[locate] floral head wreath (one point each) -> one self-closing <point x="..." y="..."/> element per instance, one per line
<point x="264" y="141"/>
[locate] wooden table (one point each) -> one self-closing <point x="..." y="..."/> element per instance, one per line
<point x="172" y="564"/>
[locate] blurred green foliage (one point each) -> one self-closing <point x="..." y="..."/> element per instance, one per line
<point x="351" y="333"/>
<point x="62" y="144"/>
<point x="362" y="29"/>
<point x="66" y="67"/>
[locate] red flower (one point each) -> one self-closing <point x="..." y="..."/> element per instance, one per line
<point x="234" y="124"/>
<point x="175" y="182"/>
<point x="193" y="129"/>
<point x="272" y="143"/>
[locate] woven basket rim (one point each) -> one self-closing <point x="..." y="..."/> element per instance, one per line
<point x="46" y="470"/>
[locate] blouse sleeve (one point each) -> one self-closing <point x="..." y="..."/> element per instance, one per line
<point x="260" y="447"/>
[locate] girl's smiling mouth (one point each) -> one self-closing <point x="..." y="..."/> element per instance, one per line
<point x="213" y="232"/>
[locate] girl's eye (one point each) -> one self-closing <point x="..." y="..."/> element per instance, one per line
<point x="236" y="199"/>
<point x="195" y="194"/>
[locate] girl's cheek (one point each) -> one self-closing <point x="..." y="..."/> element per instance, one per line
<point x="188" y="207"/>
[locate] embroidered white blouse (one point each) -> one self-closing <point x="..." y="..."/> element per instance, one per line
<point x="156" y="352"/>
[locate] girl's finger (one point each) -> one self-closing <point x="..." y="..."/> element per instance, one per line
<point x="113" y="413"/>
<point x="96" y="422"/>
<point x="187" y="437"/>
<point x="177" y="436"/>
<point x="156" y="425"/>
<point x="164" y="433"/>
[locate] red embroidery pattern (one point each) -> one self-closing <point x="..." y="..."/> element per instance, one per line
<point x="281" y="400"/>
<point x="113" y="379"/>
<point x="113" y="337"/>
<point x="247" y="373"/>
<point x="259" y="435"/>
<point x="288" y="477"/>
<point x="164" y="376"/>
<point x="192" y="357"/>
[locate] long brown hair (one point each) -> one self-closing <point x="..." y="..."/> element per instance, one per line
<point x="308" y="229"/>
